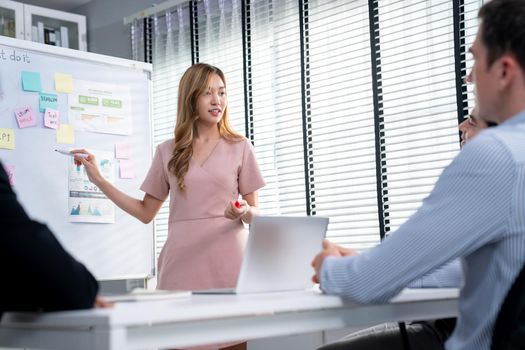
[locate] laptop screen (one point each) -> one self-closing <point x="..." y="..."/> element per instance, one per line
<point x="279" y="252"/>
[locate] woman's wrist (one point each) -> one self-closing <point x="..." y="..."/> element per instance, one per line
<point x="100" y="182"/>
<point x="250" y="213"/>
<point x="246" y="211"/>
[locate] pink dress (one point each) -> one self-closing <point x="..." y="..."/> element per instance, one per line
<point x="204" y="249"/>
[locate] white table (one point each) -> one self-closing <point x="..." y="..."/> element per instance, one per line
<point x="205" y="319"/>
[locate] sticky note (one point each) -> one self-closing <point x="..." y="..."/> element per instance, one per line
<point x="51" y="118"/>
<point x="31" y="81"/>
<point x="65" y="133"/>
<point x="63" y="83"/>
<point x="7" y="138"/>
<point x="48" y="101"/>
<point x="122" y="150"/>
<point x="127" y="169"/>
<point x="25" y="117"/>
<point x="10" y="170"/>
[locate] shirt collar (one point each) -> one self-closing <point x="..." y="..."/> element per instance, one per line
<point x="517" y="119"/>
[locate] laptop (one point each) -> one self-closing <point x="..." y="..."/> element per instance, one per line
<point x="278" y="255"/>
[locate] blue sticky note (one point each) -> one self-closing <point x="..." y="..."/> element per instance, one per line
<point x="48" y="101"/>
<point x="31" y="81"/>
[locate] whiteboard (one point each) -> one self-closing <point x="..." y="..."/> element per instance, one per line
<point x="120" y="250"/>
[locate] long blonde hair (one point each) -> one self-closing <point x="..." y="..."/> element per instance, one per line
<point x="193" y="84"/>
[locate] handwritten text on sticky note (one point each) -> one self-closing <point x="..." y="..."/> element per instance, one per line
<point x="25" y="117"/>
<point x="51" y="118"/>
<point x="7" y="138"/>
<point x="48" y="101"/>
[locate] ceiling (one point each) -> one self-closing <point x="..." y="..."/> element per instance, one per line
<point x="62" y="5"/>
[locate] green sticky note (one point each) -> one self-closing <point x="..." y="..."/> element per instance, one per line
<point x="48" y="101"/>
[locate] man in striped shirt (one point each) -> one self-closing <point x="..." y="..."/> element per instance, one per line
<point x="427" y="335"/>
<point x="477" y="208"/>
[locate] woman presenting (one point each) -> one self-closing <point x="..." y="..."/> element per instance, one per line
<point x="203" y="170"/>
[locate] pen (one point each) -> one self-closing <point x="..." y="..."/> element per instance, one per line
<point x="82" y="155"/>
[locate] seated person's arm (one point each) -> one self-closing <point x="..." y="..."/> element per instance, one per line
<point x="41" y="275"/>
<point x="449" y="275"/>
<point x="10" y="209"/>
<point x="37" y="273"/>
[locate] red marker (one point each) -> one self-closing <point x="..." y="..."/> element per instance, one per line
<point x="237" y="205"/>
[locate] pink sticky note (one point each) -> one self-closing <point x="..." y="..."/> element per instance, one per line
<point x="24" y="117"/>
<point x="127" y="169"/>
<point x="10" y="170"/>
<point x="51" y="118"/>
<point x="122" y="150"/>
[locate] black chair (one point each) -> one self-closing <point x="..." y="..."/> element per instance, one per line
<point x="509" y="328"/>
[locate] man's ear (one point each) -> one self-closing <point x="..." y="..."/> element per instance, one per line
<point x="508" y="71"/>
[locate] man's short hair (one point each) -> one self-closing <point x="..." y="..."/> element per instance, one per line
<point x="503" y="29"/>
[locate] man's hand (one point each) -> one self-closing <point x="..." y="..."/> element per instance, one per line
<point x="346" y="251"/>
<point x="100" y="303"/>
<point x="329" y="249"/>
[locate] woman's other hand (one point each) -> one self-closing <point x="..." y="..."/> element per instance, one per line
<point x="236" y="209"/>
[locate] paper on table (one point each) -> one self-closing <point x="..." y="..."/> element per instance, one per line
<point x="139" y="294"/>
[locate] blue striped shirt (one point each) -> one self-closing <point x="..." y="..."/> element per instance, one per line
<point x="476" y="212"/>
<point x="449" y="275"/>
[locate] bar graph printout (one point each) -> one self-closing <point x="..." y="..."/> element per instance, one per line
<point x="87" y="203"/>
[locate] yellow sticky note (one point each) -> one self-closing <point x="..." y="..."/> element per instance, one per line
<point x="7" y="138"/>
<point x="65" y="133"/>
<point x="63" y="83"/>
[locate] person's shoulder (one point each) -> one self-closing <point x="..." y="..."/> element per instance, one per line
<point x="491" y="148"/>
<point x="166" y="146"/>
<point x="239" y="143"/>
<point x="164" y="150"/>
<point x="503" y="139"/>
<point x="4" y="180"/>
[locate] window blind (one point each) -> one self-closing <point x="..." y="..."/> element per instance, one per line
<point x="342" y="121"/>
<point x="277" y="112"/>
<point x="138" y="39"/>
<point x="171" y="57"/>
<point x="470" y="24"/>
<point x="220" y="44"/>
<point x="302" y="76"/>
<point x="416" y="48"/>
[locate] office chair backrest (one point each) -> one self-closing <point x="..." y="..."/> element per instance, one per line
<point x="509" y="329"/>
